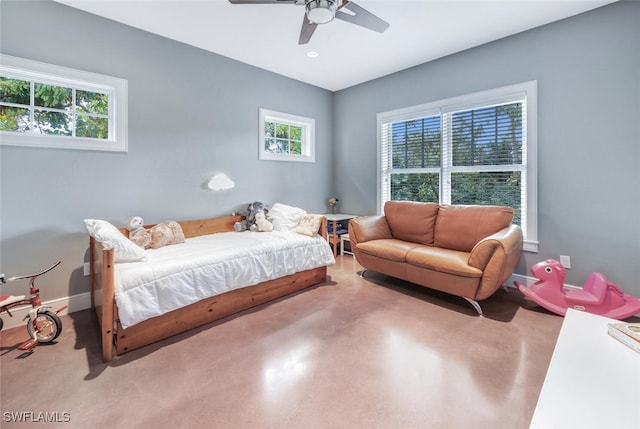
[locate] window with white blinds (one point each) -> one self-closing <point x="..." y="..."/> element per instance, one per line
<point x="474" y="149"/>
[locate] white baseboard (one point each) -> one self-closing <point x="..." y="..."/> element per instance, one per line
<point x="75" y="303"/>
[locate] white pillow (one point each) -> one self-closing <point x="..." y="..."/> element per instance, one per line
<point x="125" y="249"/>
<point x="285" y="218"/>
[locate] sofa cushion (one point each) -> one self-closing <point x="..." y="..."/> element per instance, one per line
<point x="443" y="260"/>
<point x="367" y="228"/>
<point x="387" y="248"/>
<point x="412" y="221"/>
<point x="460" y="227"/>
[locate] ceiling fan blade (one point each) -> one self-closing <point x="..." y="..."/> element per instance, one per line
<point x="266" y="1"/>
<point x="361" y="17"/>
<point x="306" y="31"/>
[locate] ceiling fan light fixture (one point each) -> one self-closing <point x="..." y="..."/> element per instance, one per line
<point x="321" y="11"/>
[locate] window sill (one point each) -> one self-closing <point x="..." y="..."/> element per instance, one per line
<point x="59" y="142"/>
<point x="530" y="246"/>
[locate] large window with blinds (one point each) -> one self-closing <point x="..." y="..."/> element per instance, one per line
<point x="474" y="149"/>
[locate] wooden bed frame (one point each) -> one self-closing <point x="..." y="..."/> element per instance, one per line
<point x="117" y="340"/>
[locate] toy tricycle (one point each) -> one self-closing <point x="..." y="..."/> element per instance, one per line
<point x="43" y="325"/>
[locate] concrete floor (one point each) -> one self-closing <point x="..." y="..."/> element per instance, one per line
<point x="354" y="352"/>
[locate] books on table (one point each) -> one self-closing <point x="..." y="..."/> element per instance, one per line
<point x="627" y="333"/>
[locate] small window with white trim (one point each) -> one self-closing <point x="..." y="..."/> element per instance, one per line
<point x="286" y="137"/>
<point x="50" y="106"/>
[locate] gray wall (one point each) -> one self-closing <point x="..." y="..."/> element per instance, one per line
<point x="191" y="114"/>
<point x="588" y="73"/>
<point x="587" y="68"/>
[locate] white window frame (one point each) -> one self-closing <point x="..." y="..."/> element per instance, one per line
<point x="501" y="95"/>
<point x="308" y="126"/>
<point x="116" y="88"/>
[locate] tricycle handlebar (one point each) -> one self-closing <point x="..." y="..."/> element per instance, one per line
<point x="30" y="276"/>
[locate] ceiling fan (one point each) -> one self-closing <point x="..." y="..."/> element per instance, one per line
<point x="323" y="11"/>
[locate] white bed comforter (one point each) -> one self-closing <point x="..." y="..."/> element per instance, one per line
<point x="181" y="274"/>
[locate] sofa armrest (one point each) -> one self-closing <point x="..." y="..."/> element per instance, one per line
<point x="362" y="229"/>
<point x="497" y="256"/>
<point x="504" y="241"/>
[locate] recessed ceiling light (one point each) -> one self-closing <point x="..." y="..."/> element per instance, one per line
<point x="312" y="54"/>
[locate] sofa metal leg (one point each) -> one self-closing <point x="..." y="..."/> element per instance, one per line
<point x="361" y="273"/>
<point x="475" y="305"/>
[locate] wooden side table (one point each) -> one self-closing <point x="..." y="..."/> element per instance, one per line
<point x="334" y="238"/>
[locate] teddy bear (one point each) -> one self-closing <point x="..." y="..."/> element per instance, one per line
<point x="137" y="233"/>
<point x="249" y="223"/>
<point x="160" y="235"/>
<point x="262" y="224"/>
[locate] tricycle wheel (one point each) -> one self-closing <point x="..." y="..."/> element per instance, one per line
<point x="48" y="328"/>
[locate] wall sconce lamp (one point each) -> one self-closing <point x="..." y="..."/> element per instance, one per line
<point x="220" y="182"/>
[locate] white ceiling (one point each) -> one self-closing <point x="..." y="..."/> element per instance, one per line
<point x="266" y="35"/>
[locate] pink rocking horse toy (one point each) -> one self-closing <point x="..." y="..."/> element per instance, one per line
<point x="597" y="296"/>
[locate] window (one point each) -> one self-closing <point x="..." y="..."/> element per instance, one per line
<point x="474" y="149"/>
<point x="50" y="106"/>
<point x="285" y="137"/>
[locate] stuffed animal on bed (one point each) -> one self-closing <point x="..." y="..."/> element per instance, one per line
<point x="137" y="233"/>
<point x="262" y="224"/>
<point x="166" y="233"/>
<point x="249" y="223"/>
<point x="160" y="235"/>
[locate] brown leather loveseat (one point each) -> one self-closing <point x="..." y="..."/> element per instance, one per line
<point x="464" y="250"/>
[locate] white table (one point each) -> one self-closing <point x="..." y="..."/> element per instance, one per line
<point x="593" y="380"/>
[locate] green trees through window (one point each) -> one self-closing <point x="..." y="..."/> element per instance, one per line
<point x="34" y="107"/>
<point x="282" y="138"/>
<point x="472" y="149"/>
<point x="480" y="165"/>
<point x="55" y="107"/>
<point x="286" y="137"/>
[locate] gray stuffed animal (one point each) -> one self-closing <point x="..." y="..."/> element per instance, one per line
<point x="249" y="223"/>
